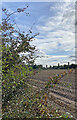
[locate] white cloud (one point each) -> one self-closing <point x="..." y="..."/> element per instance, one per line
<point x="54" y="60"/>
<point x="57" y="34"/>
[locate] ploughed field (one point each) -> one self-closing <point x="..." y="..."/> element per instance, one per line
<point x="62" y="95"/>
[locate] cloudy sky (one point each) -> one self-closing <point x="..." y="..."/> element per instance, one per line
<point x="54" y="21"/>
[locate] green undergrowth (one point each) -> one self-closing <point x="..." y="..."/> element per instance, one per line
<point x="21" y="100"/>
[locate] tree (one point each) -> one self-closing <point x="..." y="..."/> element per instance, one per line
<point x="50" y="67"/>
<point x="58" y="65"/>
<point x="68" y="64"/>
<point x="46" y="66"/>
<point x="15" y="42"/>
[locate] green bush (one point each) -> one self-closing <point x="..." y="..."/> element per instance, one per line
<point x="14" y="80"/>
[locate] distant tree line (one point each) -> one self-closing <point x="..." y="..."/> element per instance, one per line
<point x="55" y="66"/>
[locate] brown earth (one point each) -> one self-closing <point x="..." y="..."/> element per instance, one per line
<point x="63" y="94"/>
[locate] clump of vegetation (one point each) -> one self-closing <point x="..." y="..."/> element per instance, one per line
<point x="14" y="72"/>
<point x="56" y="80"/>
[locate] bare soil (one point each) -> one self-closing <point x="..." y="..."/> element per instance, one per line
<point x="63" y="94"/>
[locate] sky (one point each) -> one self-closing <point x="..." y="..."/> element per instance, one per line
<point x="55" y="23"/>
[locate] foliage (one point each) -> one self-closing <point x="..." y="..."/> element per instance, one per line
<point x="56" y="80"/>
<point x="23" y="101"/>
<point x="14" y="73"/>
<point x="14" y="80"/>
<point x="15" y="42"/>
